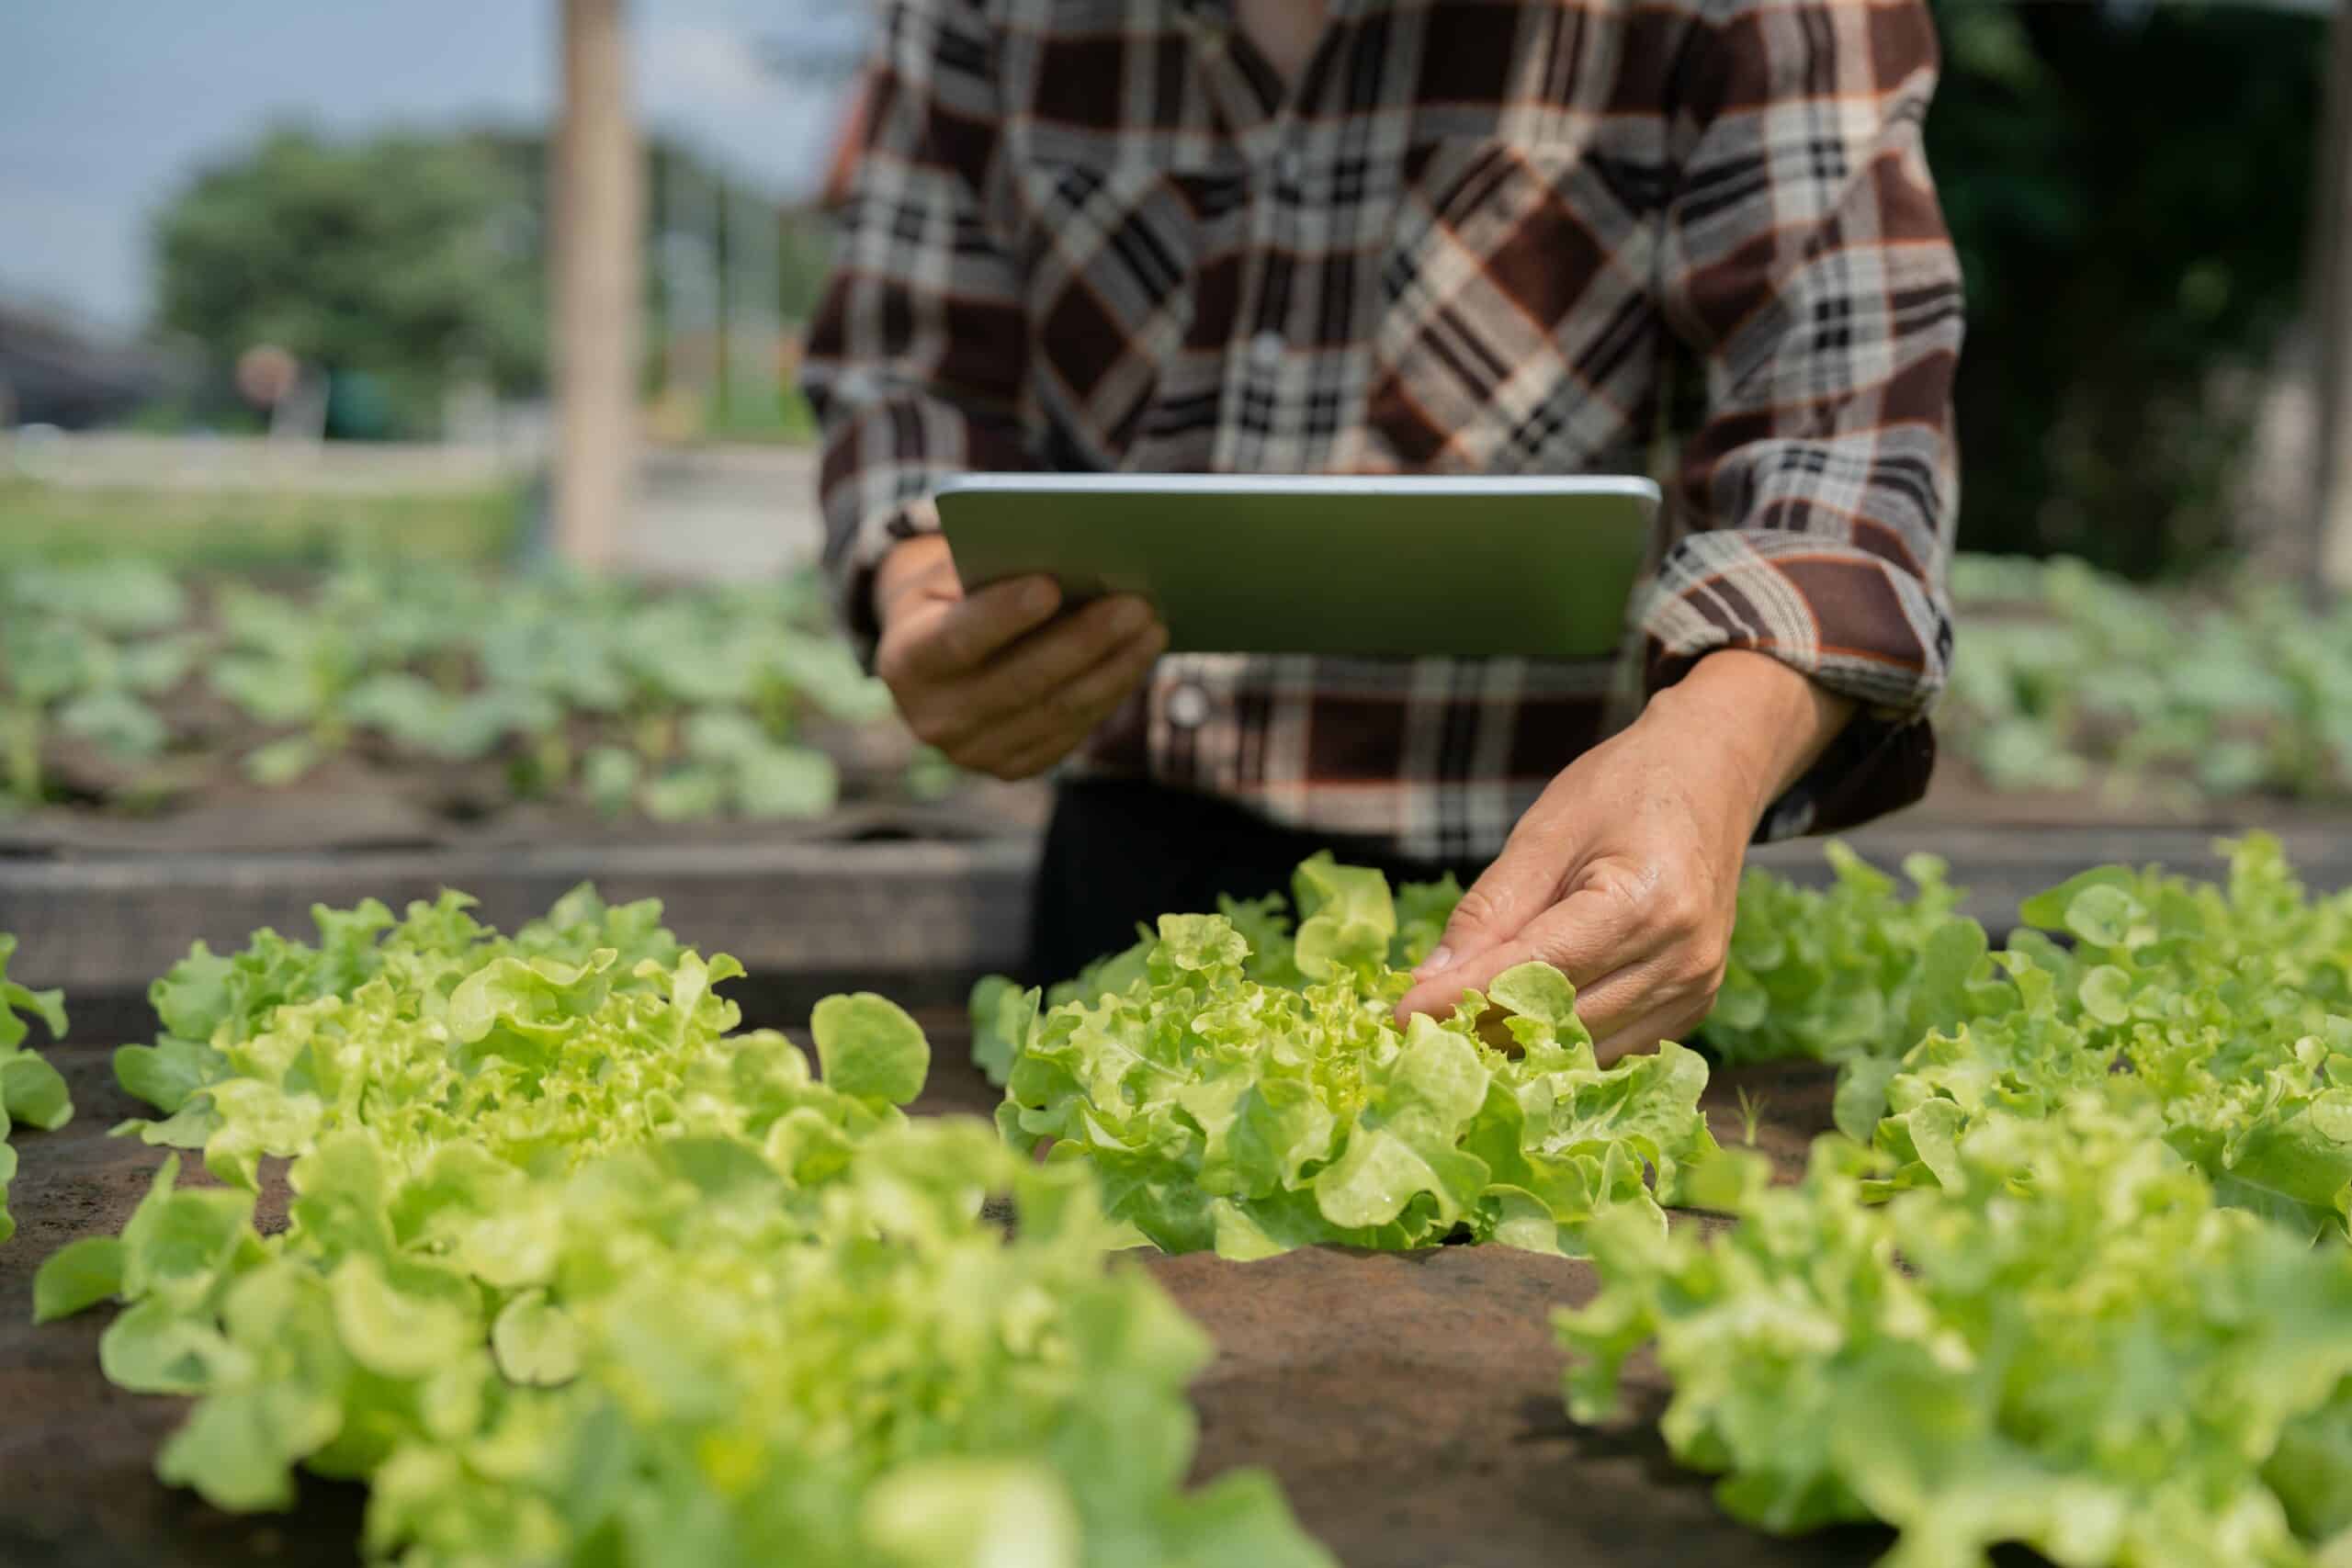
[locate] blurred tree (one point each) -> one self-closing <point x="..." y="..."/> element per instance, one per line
<point x="394" y="257"/>
<point x="2130" y="190"/>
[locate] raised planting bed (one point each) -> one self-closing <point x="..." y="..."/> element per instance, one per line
<point x="914" y="905"/>
<point x="914" y="902"/>
<point x="2001" y="864"/>
<point x="2066" y="680"/>
<point x="1409" y="1404"/>
<point x="421" y="699"/>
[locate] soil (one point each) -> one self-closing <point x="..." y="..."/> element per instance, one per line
<point x="1409" y="1403"/>
<point x="358" y="803"/>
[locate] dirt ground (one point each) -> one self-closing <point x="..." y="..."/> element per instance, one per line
<point x="1410" y="1405"/>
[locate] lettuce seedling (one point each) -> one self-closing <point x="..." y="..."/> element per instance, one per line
<point x="31" y="1092"/>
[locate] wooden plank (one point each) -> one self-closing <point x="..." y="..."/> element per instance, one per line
<point x="595" y="268"/>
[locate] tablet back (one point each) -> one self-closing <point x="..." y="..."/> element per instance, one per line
<point x="1466" y="567"/>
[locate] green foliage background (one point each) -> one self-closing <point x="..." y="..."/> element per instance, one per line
<point x="390" y="260"/>
<point x="394" y="257"/>
<point x="2130" y="190"/>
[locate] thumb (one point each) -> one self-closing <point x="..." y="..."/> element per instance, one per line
<point x="1580" y="936"/>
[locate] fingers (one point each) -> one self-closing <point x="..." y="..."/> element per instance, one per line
<point x="1620" y="1000"/>
<point x="1088" y="698"/>
<point x="1589" y="933"/>
<point x="961" y="638"/>
<point x="1675" y="1020"/>
<point x="1002" y="686"/>
<point x="1524" y="880"/>
<point x="1041" y="670"/>
<point x="1641" y="955"/>
<point x="1664" y="997"/>
<point x="1052" y="728"/>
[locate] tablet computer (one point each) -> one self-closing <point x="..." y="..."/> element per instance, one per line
<point x="1542" y="568"/>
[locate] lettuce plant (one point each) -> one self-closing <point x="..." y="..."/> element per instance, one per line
<point x="61" y="676"/>
<point x="2226" y="1010"/>
<point x="31" y="1092"/>
<point x="575" y="1271"/>
<point x="1418" y="911"/>
<point x="210" y="1004"/>
<point x="1255" y="1098"/>
<point x="1852" y="971"/>
<point x="2069" y="1344"/>
<point x="685" y="704"/>
<point x="2140" y="692"/>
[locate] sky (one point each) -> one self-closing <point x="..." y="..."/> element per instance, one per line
<point x="105" y="106"/>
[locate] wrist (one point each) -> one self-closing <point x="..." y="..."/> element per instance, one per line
<point x="1752" y="718"/>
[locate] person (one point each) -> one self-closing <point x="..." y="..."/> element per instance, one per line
<point x="1446" y="236"/>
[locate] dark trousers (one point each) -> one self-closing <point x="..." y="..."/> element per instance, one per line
<point x="1122" y="852"/>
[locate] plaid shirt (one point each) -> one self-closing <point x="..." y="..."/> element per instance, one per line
<point x="1104" y="234"/>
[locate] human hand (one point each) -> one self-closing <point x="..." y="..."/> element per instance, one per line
<point x="1001" y="682"/>
<point x="1624" y="875"/>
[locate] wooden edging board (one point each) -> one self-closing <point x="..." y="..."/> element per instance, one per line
<point x="917" y="919"/>
<point x="2000" y="866"/>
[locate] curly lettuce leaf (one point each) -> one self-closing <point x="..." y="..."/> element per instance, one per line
<point x="572" y="1270"/>
<point x="2069" y="1344"/>
<point x="208" y="1003"/>
<point x="2224" y="1012"/>
<point x="1223" y="1111"/>
<point x="1850" y="972"/>
<point x="31" y="1091"/>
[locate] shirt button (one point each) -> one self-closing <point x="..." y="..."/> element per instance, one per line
<point x="1286" y="168"/>
<point x="1266" y="350"/>
<point x="1188" y="706"/>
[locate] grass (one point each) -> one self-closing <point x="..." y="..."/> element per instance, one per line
<point x="1751" y="1116"/>
<point x="245" y="529"/>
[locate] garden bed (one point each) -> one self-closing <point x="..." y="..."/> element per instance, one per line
<point x="914" y="905"/>
<point x="917" y="902"/>
<point x="1408" y="1402"/>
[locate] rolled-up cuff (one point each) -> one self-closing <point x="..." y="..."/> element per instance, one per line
<point x="1875" y="766"/>
<point x="1854" y="622"/>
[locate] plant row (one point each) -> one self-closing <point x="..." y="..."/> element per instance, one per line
<point x="2072" y="1273"/>
<point x="124" y="684"/>
<point x="575" y="1270"/>
<point x="2066" y="680"/>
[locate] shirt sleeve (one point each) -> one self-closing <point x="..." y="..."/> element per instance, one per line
<point x="1804" y="260"/>
<point x="917" y="352"/>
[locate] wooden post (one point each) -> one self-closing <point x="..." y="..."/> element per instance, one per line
<point x="595" y="266"/>
<point x="2331" y="298"/>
